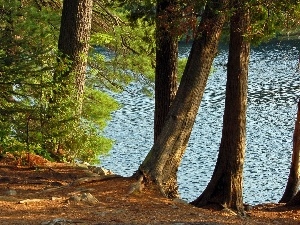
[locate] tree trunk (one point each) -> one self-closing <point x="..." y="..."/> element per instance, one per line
<point x="166" y="66"/>
<point x="225" y="187"/>
<point x="293" y="180"/>
<point x="161" y="164"/>
<point x="69" y="78"/>
<point x="74" y="40"/>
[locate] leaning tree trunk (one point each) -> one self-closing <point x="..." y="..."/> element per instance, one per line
<point x="225" y="187"/>
<point x="73" y="41"/>
<point x="293" y="180"/>
<point x="166" y="65"/>
<point x="161" y="164"/>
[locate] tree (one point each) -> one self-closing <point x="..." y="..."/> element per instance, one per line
<point x="225" y="187"/>
<point x="272" y="19"/>
<point x="30" y="119"/>
<point x="291" y="195"/>
<point x="173" y="19"/>
<point x="166" y="63"/>
<point x="27" y="57"/>
<point x="65" y="104"/>
<point x="161" y="164"/>
<point x="74" y="40"/>
<point x="293" y="183"/>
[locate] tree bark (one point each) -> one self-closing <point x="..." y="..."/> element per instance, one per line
<point x="166" y="66"/>
<point x="161" y="164"/>
<point x="225" y="187"/>
<point x="293" y="180"/>
<point x="74" y="40"/>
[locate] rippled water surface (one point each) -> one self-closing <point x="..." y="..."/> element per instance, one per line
<point x="272" y="95"/>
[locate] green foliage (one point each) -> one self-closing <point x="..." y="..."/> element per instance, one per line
<point x="273" y="18"/>
<point x="123" y="53"/>
<point x="181" y="66"/>
<point x="137" y="9"/>
<point x="33" y="117"/>
<point x="92" y="110"/>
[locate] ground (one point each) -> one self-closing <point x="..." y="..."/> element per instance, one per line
<point x="47" y="193"/>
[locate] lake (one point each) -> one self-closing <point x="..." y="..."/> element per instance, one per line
<point x="272" y="106"/>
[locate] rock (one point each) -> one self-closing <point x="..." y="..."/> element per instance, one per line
<point x="174" y="207"/>
<point x="100" y="170"/>
<point x="178" y="200"/>
<point x="27" y="201"/>
<point x="84" y="197"/>
<point x="82" y="165"/>
<point x="75" y="198"/>
<point x="56" y="198"/>
<point x="229" y="212"/>
<point x="248" y="207"/>
<point x="103" y="214"/>
<point x="11" y="192"/>
<point x="89" y="198"/>
<point x="59" y="221"/>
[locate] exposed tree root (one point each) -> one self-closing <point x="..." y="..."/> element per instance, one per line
<point x="144" y="181"/>
<point x="136" y="187"/>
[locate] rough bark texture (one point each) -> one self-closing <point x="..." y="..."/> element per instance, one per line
<point x="293" y="180"/>
<point x="166" y="67"/>
<point x="162" y="162"/>
<point x="225" y="187"/>
<point x="73" y="39"/>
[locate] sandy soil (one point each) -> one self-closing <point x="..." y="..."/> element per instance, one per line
<point x="51" y="193"/>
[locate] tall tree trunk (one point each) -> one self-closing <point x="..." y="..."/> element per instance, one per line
<point x="161" y="164"/>
<point x="74" y="40"/>
<point x="69" y="79"/>
<point x="166" y="65"/>
<point x="293" y="180"/>
<point x="225" y="187"/>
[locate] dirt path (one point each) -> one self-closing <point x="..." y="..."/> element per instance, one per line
<point x="54" y="193"/>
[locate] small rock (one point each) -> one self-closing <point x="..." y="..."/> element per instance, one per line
<point x="248" y="207"/>
<point x="82" y="165"/>
<point x="103" y="214"/>
<point x="75" y="198"/>
<point x="89" y="198"/>
<point x="11" y="192"/>
<point x="174" y="206"/>
<point x="56" y="198"/>
<point x="120" y="211"/>
<point x="100" y="170"/>
<point x="178" y="200"/>
<point x="84" y="197"/>
<point x="228" y="211"/>
<point x="58" y="221"/>
<point x="28" y="201"/>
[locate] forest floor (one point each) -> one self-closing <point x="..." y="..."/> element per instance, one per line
<point x="55" y="194"/>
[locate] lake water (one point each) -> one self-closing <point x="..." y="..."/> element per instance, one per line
<point x="272" y="105"/>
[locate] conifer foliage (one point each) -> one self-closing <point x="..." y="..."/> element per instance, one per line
<point x="30" y="119"/>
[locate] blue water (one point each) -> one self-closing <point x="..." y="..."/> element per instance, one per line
<point x="273" y="92"/>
